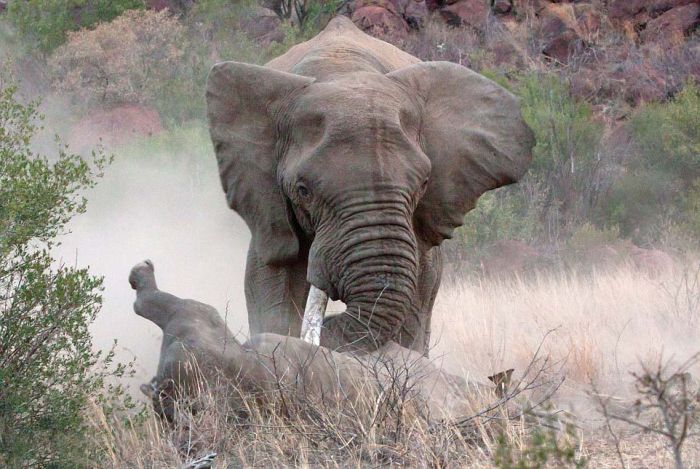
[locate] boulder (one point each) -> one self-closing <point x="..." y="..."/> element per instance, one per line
<point x="502" y="6"/>
<point x="433" y="5"/>
<point x="559" y="30"/>
<point x="639" y="82"/>
<point x="380" y="22"/>
<point x="116" y="126"/>
<point x="671" y="26"/>
<point x="630" y="10"/>
<point x="473" y="13"/>
<point x="263" y="26"/>
<point x="414" y="12"/>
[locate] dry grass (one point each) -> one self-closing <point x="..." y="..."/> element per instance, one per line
<point x="605" y="325"/>
<point x="599" y="326"/>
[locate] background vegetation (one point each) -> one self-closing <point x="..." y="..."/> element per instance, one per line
<point x="48" y="368"/>
<point x="614" y="171"/>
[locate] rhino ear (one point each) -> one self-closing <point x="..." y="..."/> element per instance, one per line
<point x="241" y="101"/>
<point x="474" y="135"/>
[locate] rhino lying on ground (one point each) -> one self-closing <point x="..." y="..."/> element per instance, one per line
<point x="199" y="348"/>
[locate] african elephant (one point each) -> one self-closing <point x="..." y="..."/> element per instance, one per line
<point x="198" y="348"/>
<point x="351" y="161"/>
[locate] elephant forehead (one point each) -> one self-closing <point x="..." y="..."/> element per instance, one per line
<point x="354" y="100"/>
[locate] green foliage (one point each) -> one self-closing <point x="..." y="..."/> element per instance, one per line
<point x="566" y="156"/>
<point x="668" y="136"/>
<point x="660" y="187"/>
<point x="47" y="364"/>
<point x="45" y="23"/>
<point x="506" y="213"/>
<point x="543" y="449"/>
<point x="562" y="184"/>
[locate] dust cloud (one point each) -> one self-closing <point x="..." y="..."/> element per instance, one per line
<point x="168" y="208"/>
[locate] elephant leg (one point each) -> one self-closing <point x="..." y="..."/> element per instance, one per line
<point x="275" y="296"/>
<point x="415" y="332"/>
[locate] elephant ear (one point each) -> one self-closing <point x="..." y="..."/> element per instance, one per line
<point x="473" y="133"/>
<point x="241" y="101"/>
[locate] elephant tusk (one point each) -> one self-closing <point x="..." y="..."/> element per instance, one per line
<point x="316" y="304"/>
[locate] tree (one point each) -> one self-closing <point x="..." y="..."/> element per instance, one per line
<point x="47" y="364"/>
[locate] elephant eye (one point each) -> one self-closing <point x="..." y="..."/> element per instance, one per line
<point x="303" y="191"/>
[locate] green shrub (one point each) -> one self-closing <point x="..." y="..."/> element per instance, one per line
<point x="563" y="182"/>
<point x="566" y="157"/>
<point x="544" y="448"/>
<point x="47" y="363"/>
<point x="660" y="187"/>
<point x="45" y="23"/>
<point x="507" y="213"/>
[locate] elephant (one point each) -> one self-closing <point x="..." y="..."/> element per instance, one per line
<point x="198" y="348"/>
<point x="351" y="161"/>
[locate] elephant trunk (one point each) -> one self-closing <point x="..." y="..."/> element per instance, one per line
<point x="374" y="274"/>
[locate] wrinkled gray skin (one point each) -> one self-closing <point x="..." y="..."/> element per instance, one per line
<point x="351" y="161"/>
<point x="197" y="346"/>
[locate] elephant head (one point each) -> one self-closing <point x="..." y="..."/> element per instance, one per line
<point x="361" y="173"/>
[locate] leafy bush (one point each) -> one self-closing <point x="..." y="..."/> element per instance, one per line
<point x="661" y="185"/>
<point x="46" y="23"/>
<point x="507" y="213"/>
<point x="46" y="358"/>
<point x="566" y="157"/>
<point x="137" y="58"/>
<point x="544" y="448"/>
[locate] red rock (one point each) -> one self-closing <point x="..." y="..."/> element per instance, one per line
<point x="263" y="25"/>
<point x="391" y="5"/>
<point x="634" y="14"/>
<point x="507" y="53"/>
<point x="626" y="9"/>
<point x="559" y="33"/>
<point x="502" y="6"/>
<point x="433" y="5"/>
<point x="590" y="21"/>
<point x="114" y="127"/>
<point x="414" y="12"/>
<point x="672" y="25"/>
<point x="467" y="12"/>
<point x="379" y="21"/>
<point x="639" y="83"/>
